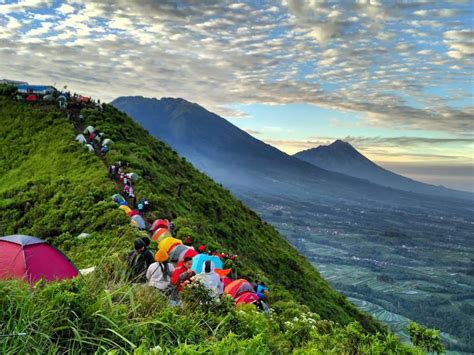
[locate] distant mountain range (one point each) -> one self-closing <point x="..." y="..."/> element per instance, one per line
<point x="242" y="162"/>
<point x="343" y="158"/>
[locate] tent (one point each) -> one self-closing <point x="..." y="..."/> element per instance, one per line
<point x="238" y="287"/>
<point x="200" y="259"/>
<point x="31" y="259"/>
<point x="179" y="252"/>
<point x="48" y="97"/>
<point x="160" y="233"/>
<point x="89" y="129"/>
<point x="123" y="203"/>
<point x="97" y="139"/>
<point x="133" y="213"/>
<point x="133" y="176"/>
<point x="89" y="147"/>
<point x="176" y="253"/>
<point x="124" y="208"/>
<point x="118" y="197"/>
<point x="81" y="139"/>
<point x="160" y="223"/>
<point x="138" y="222"/>
<point x="107" y="141"/>
<point x="247" y="297"/>
<point x="32" y="97"/>
<point x="168" y="243"/>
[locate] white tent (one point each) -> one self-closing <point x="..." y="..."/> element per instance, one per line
<point x="81" y="139"/>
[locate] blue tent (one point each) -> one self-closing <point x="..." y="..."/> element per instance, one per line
<point x="140" y="223"/>
<point x="200" y="259"/>
<point x="123" y="203"/>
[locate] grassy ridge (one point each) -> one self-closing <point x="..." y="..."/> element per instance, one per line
<point x="52" y="188"/>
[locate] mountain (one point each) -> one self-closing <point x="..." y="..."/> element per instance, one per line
<point x="242" y="162"/>
<point x="343" y="158"/>
<point x="346" y="225"/>
<point x="53" y="188"/>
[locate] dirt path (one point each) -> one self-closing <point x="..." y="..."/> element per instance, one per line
<point x="74" y="113"/>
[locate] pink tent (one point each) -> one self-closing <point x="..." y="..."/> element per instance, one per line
<point x="31" y="259"/>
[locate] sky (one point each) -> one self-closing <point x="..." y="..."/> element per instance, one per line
<point x="393" y="78"/>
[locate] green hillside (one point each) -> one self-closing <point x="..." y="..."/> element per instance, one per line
<point x="51" y="187"/>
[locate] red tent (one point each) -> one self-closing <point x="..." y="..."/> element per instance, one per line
<point x="133" y="213"/>
<point x="247" y="297"/>
<point x="31" y="259"/>
<point x="32" y="97"/>
<point x="160" y="223"/>
<point x="238" y="287"/>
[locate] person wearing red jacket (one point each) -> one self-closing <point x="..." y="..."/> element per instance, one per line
<point x="182" y="274"/>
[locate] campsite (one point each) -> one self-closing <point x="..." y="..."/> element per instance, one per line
<point x="101" y="310"/>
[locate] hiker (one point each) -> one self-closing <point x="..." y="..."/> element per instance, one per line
<point x="172" y="229"/>
<point x="105" y="149"/>
<point x="138" y="261"/>
<point x="91" y="136"/>
<point x="81" y="119"/>
<point x="183" y="274"/>
<point x="210" y="280"/>
<point x="146" y="206"/>
<point x="134" y="199"/>
<point x="125" y="180"/>
<point x="201" y="249"/>
<point x="140" y="208"/>
<point x="126" y="189"/>
<point x="188" y="241"/>
<point x="262" y="291"/>
<point x="159" y="273"/>
<point x="147" y="242"/>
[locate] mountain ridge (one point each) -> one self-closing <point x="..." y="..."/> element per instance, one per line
<point x="342" y="157"/>
<point x="217" y="147"/>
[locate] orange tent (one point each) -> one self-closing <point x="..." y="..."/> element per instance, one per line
<point x="237" y="287"/>
<point x="161" y="232"/>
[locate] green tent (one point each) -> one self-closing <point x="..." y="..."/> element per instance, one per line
<point x="132" y="176"/>
<point x="118" y="197"/>
<point x="48" y="97"/>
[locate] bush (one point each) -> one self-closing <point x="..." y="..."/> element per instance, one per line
<point x="426" y="339"/>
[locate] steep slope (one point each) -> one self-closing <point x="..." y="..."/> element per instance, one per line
<point x="243" y="163"/>
<point x="52" y="188"/>
<point x="343" y="158"/>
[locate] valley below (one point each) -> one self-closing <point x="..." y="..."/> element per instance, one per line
<point x="398" y="264"/>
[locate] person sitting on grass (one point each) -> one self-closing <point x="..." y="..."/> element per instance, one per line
<point x="138" y="262"/>
<point x="210" y="280"/>
<point x="182" y="274"/>
<point x="159" y="273"/>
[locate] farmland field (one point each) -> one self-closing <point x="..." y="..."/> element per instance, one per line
<point x="396" y="264"/>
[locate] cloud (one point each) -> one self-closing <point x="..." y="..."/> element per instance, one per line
<point x="252" y="132"/>
<point x="372" y="59"/>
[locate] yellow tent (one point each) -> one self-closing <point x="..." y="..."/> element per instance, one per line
<point x="126" y="209"/>
<point x="167" y="243"/>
